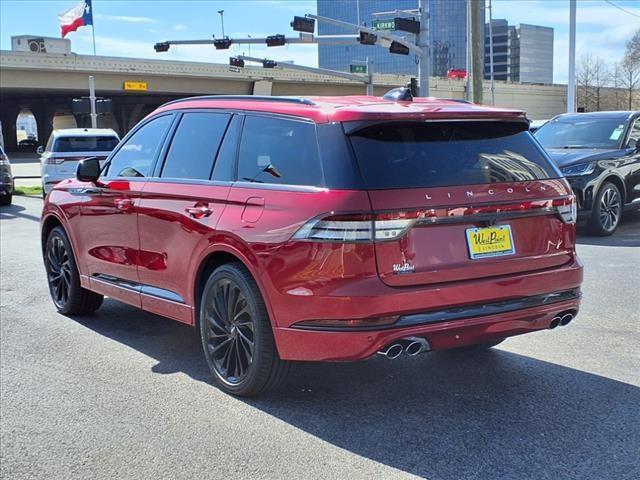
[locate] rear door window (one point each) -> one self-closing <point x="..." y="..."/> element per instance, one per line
<point x="195" y="145"/>
<point x="433" y="154"/>
<point x="135" y="157"/>
<point x="277" y="150"/>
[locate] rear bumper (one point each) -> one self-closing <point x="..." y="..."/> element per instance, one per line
<point x="295" y="344"/>
<point x="465" y="322"/>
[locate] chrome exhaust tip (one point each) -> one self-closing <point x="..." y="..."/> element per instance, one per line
<point x="555" y="322"/>
<point x="566" y="319"/>
<point x="416" y="345"/>
<point x="392" y="351"/>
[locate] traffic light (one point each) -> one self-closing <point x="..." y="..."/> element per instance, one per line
<point x="269" y="64"/>
<point x="367" y="38"/>
<point x="398" y="48"/>
<point x="161" y="47"/>
<point x="236" y="62"/>
<point x="222" y="43"/>
<point x="407" y="25"/>
<point x="302" y="24"/>
<point x="275" y="40"/>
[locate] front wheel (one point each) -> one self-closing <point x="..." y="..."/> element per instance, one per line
<point x="6" y="199"/>
<point x="606" y="211"/>
<point x="236" y="334"/>
<point x="63" y="277"/>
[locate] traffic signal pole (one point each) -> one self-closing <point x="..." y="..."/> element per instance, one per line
<point x="423" y="44"/>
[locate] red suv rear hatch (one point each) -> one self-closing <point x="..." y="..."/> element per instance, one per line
<point x="461" y="200"/>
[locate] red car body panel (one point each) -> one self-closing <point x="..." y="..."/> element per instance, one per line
<point x="159" y="234"/>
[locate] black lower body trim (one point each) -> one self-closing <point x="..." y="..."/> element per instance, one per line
<point x="140" y="288"/>
<point x="464" y="312"/>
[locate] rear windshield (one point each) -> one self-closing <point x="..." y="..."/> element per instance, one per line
<point x="85" y="144"/>
<point x="434" y="154"/>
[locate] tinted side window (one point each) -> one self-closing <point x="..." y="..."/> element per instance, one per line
<point x="135" y="157"/>
<point x="194" y="145"/>
<point x="634" y="134"/>
<point x="224" y="169"/>
<point x="289" y="147"/>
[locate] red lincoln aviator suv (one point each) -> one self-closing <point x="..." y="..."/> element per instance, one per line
<point x="329" y="228"/>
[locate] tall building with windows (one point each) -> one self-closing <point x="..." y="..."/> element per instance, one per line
<point x="522" y="53"/>
<point x="447" y="35"/>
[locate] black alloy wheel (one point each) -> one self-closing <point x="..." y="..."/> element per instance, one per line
<point x="58" y="271"/>
<point x="236" y="333"/>
<point x="63" y="278"/>
<point x="607" y="211"/>
<point x="230" y="333"/>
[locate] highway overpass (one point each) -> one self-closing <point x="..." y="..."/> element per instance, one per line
<point x="45" y="84"/>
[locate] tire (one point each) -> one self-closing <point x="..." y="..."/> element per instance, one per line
<point x="480" y="346"/>
<point x="63" y="277"/>
<point x="6" y="200"/>
<point x="240" y="351"/>
<point x="606" y="211"/>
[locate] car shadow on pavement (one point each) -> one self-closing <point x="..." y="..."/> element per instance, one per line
<point x="16" y="211"/>
<point x="447" y="415"/>
<point x="627" y="234"/>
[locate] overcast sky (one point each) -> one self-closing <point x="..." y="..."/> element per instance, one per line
<point x="130" y="28"/>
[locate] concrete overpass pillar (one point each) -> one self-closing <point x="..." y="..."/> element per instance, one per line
<point x="44" y="114"/>
<point x="8" y="117"/>
<point x="262" y="87"/>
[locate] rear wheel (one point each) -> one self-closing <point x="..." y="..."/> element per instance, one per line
<point x="236" y="334"/>
<point x="63" y="277"/>
<point x="606" y="211"/>
<point x="6" y="199"/>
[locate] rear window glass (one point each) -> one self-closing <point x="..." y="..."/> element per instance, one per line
<point x="413" y="155"/>
<point x="275" y="150"/>
<point x="85" y="144"/>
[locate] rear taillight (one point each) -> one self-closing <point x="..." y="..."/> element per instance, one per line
<point x="358" y="228"/>
<point x="338" y="228"/>
<point x="567" y="209"/>
<point x="54" y="160"/>
<point x="392" y="225"/>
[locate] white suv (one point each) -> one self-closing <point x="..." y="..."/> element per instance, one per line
<point x="66" y="148"/>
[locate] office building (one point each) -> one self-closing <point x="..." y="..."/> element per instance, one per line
<point x="522" y="53"/>
<point x="447" y="35"/>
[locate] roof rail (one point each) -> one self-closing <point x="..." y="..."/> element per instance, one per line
<point x="458" y="100"/>
<point x="253" y="98"/>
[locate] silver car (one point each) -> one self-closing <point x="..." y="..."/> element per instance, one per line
<point x="65" y="148"/>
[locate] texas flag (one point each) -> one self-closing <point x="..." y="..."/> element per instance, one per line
<point x="76" y="17"/>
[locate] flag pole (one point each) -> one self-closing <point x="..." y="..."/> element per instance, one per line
<point x="93" y="33"/>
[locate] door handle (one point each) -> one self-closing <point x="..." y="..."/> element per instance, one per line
<point x="123" y="204"/>
<point x="199" y="211"/>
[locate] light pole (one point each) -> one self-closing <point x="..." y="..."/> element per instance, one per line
<point x="571" y="81"/>
<point x="493" y="83"/>
<point x="221" y="13"/>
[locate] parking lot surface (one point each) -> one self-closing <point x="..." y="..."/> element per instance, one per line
<point x="125" y="394"/>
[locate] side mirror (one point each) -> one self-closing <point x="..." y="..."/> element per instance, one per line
<point x="88" y="170"/>
<point x="40" y="150"/>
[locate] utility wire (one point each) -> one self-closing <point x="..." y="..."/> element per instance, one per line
<point x="622" y="9"/>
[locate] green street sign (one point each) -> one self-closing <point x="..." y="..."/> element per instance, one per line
<point x="358" y="68"/>
<point x="388" y="24"/>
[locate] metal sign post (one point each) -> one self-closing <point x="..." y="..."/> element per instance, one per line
<point x="92" y="100"/>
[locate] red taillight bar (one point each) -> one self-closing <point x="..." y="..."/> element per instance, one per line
<point x="382" y="226"/>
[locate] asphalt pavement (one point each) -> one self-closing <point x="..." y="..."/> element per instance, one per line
<point x="125" y="394"/>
